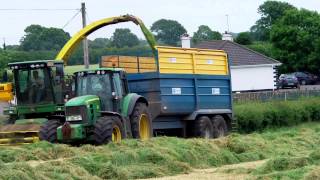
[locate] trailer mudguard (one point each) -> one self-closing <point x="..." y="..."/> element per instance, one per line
<point x="194" y="115"/>
<point x="130" y="101"/>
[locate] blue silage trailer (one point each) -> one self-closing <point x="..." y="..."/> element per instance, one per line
<point x="188" y="90"/>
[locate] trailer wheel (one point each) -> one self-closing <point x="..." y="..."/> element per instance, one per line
<point x="220" y="128"/>
<point x="203" y="127"/>
<point x="108" y="128"/>
<point x="141" y="124"/>
<point x="48" y="131"/>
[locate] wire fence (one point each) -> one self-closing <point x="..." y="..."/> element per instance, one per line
<point x="273" y="96"/>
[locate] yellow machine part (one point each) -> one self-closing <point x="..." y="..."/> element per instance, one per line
<point x="131" y="64"/>
<point x="68" y="48"/>
<point x="174" y="60"/>
<point x="15" y="134"/>
<point x="6" y="92"/>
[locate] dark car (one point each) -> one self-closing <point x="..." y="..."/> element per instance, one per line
<point x="305" y="78"/>
<point x="288" y="80"/>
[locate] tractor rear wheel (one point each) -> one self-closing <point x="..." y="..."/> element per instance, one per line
<point x="220" y="127"/>
<point x="48" y="131"/>
<point x="203" y="127"/>
<point x="141" y="123"/>
<point x="107" y="129"/>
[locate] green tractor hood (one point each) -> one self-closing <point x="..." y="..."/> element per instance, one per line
<point x="82" y="100"/>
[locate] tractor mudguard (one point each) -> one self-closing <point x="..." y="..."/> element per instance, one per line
<point x="130" y="101"/>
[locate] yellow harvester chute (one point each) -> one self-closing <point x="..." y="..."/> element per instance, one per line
<point x="77" y="38"/>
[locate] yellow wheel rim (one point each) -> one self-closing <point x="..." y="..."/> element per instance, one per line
<point x="116" y="134"/>
<point x="144" y="127"/>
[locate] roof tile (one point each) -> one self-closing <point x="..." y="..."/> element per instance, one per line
<point x="238" y="55"/>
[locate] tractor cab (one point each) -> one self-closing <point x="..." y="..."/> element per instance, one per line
<point x="108" y="84"/>
<point x="39" y="87"/>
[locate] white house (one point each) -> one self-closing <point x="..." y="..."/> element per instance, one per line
<point x="250" y="70"/>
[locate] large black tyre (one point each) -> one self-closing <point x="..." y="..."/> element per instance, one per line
<point x="220" y="127"/>
<point x="203" y="127"/>
<point x="48" y="131"/>
<point x="107" y="129"/>
<point x="141" y="123"/>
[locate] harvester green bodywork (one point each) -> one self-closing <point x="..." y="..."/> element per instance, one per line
<point x="37" y="100"/>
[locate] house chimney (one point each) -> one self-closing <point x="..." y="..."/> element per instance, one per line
<point x="185" y="41"/>
<point x="227" y="36"/>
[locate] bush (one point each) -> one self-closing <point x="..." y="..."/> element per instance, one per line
<point x="258" y="116"/>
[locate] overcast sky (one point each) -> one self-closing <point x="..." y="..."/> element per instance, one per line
<point x="190" y="13"/>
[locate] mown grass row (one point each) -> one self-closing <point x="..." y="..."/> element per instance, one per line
<point x="162" y="156"/>
<point x="259" y="116"/>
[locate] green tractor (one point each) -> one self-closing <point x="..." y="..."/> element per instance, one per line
<point x="40" y="90"/>
<point x="103" y="111"/>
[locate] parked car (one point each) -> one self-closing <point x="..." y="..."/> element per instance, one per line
<point x="288" y="80"/>
<point x="305" y="78"/>
<point x="314" y="78"/>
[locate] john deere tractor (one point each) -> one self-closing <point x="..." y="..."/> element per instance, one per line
<point x="39" y="89"/>
<point x="103" y="111"/>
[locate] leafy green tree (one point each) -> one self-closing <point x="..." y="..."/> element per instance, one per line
<point x="42" y="38"/>
<point x="271" y="12"/>
<point x="100" y="43"/>
<point x="168" y="31"/>
<point x="124" y="38"/>
<point x="296" y="38"/>
<point x="244" y="38"/>
<point x="204" y="33"/>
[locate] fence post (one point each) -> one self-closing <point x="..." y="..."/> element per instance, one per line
<point x="285" y="96"/>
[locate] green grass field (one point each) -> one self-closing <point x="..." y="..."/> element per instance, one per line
<point x="293" y="153"/>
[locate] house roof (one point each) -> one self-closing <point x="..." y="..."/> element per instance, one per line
<point x="238" y="55"/>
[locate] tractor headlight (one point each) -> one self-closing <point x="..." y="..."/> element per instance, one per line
<point x="74" y="118"/>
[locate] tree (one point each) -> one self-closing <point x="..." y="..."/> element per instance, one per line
<point x="244" y="38"/>
<point x="204" y="33"/>
<point x="168" y="31"/>
<point x="296" y="37"/>
<point x="100" y="43"/>
<point x="42" y="38"/>
<point x="271" y="12"/>
<point x="124" y="38"/>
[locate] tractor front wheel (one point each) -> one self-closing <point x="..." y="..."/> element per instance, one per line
<point x="141" y="123"/>
<point x="48" y="131"/>
<point x="107" y="129"/>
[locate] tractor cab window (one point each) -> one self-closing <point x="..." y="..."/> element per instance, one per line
<point x="99" y="85"/>
<point x="57" y="77"/>
<point x="33" y="86"/>
<point x="117" y="85"/>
